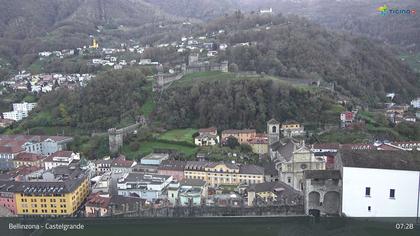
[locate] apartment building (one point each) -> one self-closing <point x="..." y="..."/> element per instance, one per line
<point x="243" y="136"/>
<point x="216" y="174"/>
<point x="60" y="158"/>
<point x="28" y="159"/>
<point x="146" y="186"/>
<point x="60" y="192"/>
<point x="20" y="111"/>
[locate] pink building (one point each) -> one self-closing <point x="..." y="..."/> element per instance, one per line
<point x="172" y="168"/>
<point x="7" y="196"/>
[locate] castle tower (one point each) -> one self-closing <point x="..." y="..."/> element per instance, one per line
<point x="115" y="139"/>
<point x="273" y="131"/>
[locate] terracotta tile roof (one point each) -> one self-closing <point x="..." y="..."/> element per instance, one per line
<point x="237" y="131"/>
<point x="11" y="149"/>
<point x="122" y="162"/>
<point x="95" y="200"/>
<point x="259" y="140"/>
<point x="207" y="135"/>
<point x="208" y="130"/>
<point x="61" y="154"/>
<point x="28" y="157"/>
<point x="24" y="170"/>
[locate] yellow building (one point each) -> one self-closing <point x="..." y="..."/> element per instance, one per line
<point x="292" y="129"/>
<point x="28" y="159"/>
<point x="259" y="144"/>
<point x="95" y="44"/>
<point x="52" y="198"/>
<point x="216" y="174"/>
<point x="243" y="136"/>
<point x="272" y="192"/>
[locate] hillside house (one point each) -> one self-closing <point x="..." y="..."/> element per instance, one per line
<point x="292" y="128"/>
<point x="207" y="137"/>
<point x="243" y="136"/>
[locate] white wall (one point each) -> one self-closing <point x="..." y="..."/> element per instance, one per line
<point x="380" y="181"/>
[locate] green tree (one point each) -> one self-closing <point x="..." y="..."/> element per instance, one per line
<point x="245" y="148"/>
<point x="232" y="142"/>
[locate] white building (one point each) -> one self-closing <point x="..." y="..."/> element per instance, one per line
<point x="45" y="145"/>
<point x="207" y="137"/>
<point x="266" y="11"/>
<point x="121" y="165"/>
<point x="14" y="115"/>
<point x="45" y="54"/>
<point x="223" y="46"/>
<point x="149" y="187"/>
<point x="416" y="103"/>
<point x="24" y="107"/>
<point x="102" y="183"/>
<point x="380" y="183"/>
<point x="154" y="158"/>
<point x="20" y="111"/>
<point x="60" y="158"/>
<point x="145" y="61"/>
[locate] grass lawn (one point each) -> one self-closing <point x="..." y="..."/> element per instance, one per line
<point x="147" y="147"/>
<point x="217" y="75"/>
<point x="383" y="130"/>
<point x="367" y="116"/>
<point x="181" y="135"/>
<point x="342" y="136"/>
<point x="148" y="107"/>
<point x="212" y="75"/>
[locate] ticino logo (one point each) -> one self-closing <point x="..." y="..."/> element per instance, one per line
<point x="385" y="10"/>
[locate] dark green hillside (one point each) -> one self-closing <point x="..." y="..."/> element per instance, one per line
<point x="243" y="103"/>
<point x="112" y="99"/>
<point x="199" y="9"/>
<point x="293" y="47"/>
<point x="358" y="17"/>
<point x="28" y="27"/>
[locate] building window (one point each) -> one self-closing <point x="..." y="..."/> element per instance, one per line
<point x="367" y="192"/>
<point x="392" y="193"/>
<point x="369" y="208"/>
<point x="289" y="180"/>
<point x="274" y="129"/>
